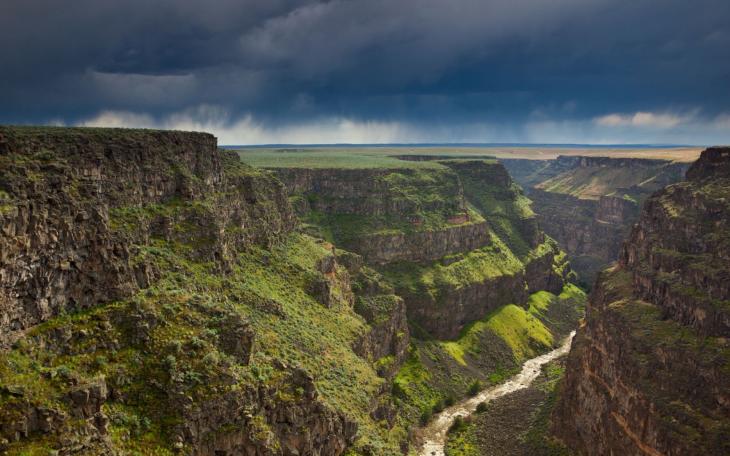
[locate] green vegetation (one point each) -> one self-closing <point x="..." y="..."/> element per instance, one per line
<point x="187" y="314"/>
<point x="327" y="158"/>
<point x="398" y="202"/>
<point x="462" y="439"/>
<point x="592" y="182"/>
<point x="522" y="330"/>
<point x="183" y="301"/>
<point x="497" y="345"/>
<point x="476" y="266"/>
<point x="170" y="343"/>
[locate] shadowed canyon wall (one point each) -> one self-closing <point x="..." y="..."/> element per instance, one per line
<point x="648" y="371"/>
<point x="588" y="204"/>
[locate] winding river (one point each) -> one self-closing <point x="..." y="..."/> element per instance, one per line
<point x="434" y="434"/>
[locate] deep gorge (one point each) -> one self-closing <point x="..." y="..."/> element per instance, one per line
<point x="160" y="296"/>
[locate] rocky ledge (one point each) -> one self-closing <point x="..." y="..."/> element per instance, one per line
<point x="155" y="299"/>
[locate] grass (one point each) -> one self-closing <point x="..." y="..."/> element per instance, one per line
<point x="524" y="333"/>
<point x="595" y="181"/>
<point x="488" y="351"/>
<point x="311" y="336"/>
<point x="327" y="158"/>
<point x="462" y="441"/>
<point x="184" y="354"/>
<point x="392" y="203"/>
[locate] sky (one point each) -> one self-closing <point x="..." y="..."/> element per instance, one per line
<point x="374" y="71"/>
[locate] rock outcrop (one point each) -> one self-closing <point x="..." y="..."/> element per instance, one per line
<point x="648" y="371"/>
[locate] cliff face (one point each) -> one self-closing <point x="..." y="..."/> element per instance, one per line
<point x="154" y="298"/>
<point x="591" y="231"/>
<point x="588" y="204"/>
<point x="648" y="371"/>
<point x="385" y="216"/>
<point x="64" y="191"/>
<point x="456" y="241"/>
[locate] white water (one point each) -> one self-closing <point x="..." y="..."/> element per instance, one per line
<point x="435" y="432"/>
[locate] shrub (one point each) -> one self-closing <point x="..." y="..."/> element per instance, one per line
<point x="450" y="400"/>
<point x="64" y="372"/>
<point x="170" y="363"/>
<point x="398" y="391"/>
<point x="100" y="362"/>
<point x="482" y="407"/>
<point x="456" y="425"/>
<point x="425" y="417"/>
<point x="437" y="407"/>
<point x="474" y="388"/>
<point x="196" y="343"/>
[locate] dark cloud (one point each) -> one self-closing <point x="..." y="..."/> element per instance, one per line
<point x="419" y="62"/>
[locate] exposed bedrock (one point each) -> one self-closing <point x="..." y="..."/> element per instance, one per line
<point x="91" y="216"/>
<point x="445" y="312"/>
<point x="423" y="246"/>
<point x="58" y="251"/>
<point x="647" y="374"/>
<point x="374" y="192"/>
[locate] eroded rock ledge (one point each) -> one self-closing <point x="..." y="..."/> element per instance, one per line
<point x="457" y="240"/>
<point x="131" y="303"/>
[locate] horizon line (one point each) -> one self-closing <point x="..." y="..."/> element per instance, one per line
<point x="465" y="144"/>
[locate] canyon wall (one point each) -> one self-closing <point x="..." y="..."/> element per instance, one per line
<point x="456" y="240"/>
<point x="60" y="250"/>
<point x="588" y="204"/>
<point x="647" y="373"/>
<point x="156" y="298"/>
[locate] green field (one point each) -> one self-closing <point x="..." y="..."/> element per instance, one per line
<point x="384" y="157"/>
<point x="325" y="158"/>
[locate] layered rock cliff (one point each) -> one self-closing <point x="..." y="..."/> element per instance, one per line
<point x="588" y="204"/>
<point x="66" y="191"/>
<point x="648" y="371"/>
<point x="457" y="240"/>
<point x="155" y="298"/>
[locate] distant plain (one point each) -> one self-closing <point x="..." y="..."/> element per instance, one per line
<point x="385" y="156"/>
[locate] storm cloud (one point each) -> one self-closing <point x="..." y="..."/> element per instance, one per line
<point x="375" y="70"/>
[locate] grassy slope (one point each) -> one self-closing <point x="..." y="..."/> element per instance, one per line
<point x="630" y="182"/>
<point x="491" y="349"/>
<point x="311" y="336"/>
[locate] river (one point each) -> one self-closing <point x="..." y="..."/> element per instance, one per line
<point x="434" y="434"/>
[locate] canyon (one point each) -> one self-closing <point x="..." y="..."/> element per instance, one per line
<point x="648" y="370"/>
<point x="160" y="295"/>
<point x="588" y="203"/>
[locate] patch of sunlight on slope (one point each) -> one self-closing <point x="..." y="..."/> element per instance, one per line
<point x="521" y="329"/>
